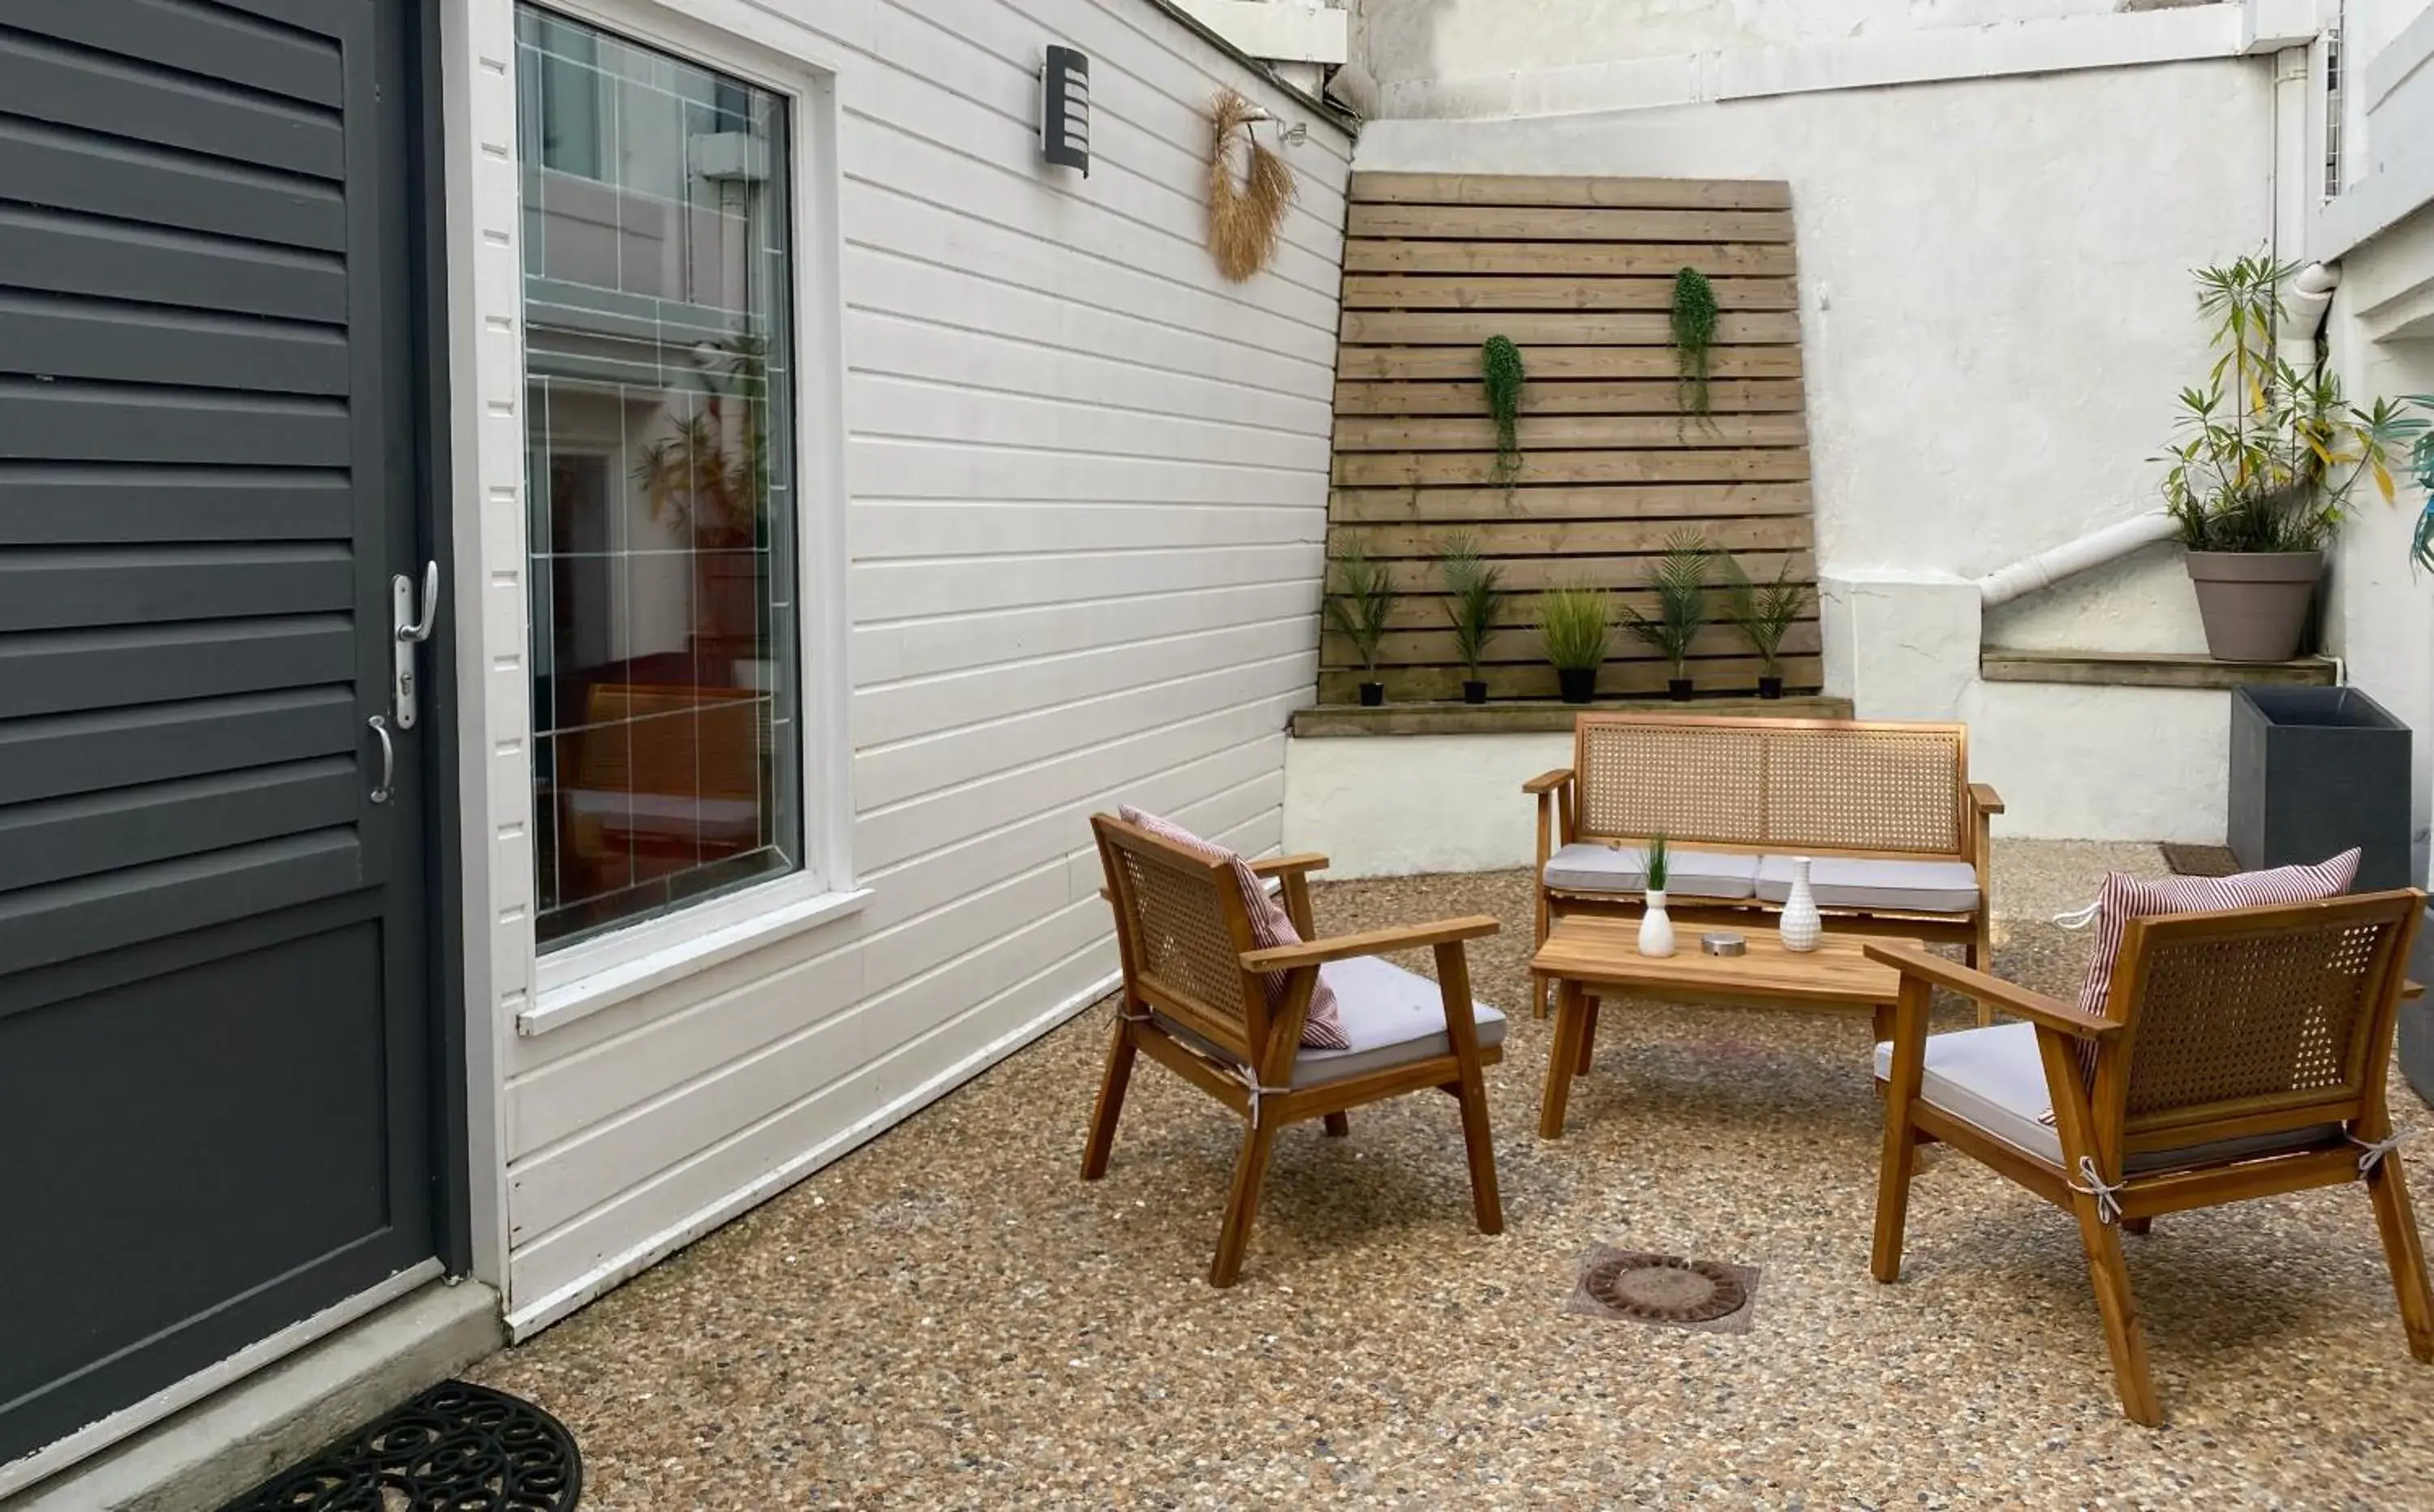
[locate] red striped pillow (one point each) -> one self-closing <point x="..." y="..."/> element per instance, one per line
<point x="2125" y="897"/>
<point x="1322" y="1028"/>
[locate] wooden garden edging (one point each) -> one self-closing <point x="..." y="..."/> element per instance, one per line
<point x="1579" y="274"/>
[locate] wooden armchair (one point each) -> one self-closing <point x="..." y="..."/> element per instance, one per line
<point x="1194" y="1000"/>
<point x="2240" y="1054"/>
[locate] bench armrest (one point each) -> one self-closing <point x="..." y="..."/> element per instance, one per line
<point x="1545" y="782"/>
<point x="2050" y="1013"/>
<point x="1370" y="942"/>
<point x="1983" y="798"/>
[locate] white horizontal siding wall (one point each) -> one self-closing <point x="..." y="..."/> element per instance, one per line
<point x="1088" y="489"/>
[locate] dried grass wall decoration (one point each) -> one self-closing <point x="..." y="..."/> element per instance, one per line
<point x="1245" y="218"/>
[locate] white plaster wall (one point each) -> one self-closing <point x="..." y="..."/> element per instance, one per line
<point x="1087" y="484"/>
<point x="1396" y="805"/>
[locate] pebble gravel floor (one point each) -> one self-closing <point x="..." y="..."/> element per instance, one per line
<point x="948" y="1318"/>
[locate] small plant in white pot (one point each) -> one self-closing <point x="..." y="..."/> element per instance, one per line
<point x="1656" y="925"/>
<point x="2268" y="458"/>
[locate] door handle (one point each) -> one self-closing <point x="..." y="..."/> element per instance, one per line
<point x="408" y="630"/>
<point x="388" y="760"/>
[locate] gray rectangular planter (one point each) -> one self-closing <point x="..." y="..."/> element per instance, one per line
<point x="2315" y="770"/>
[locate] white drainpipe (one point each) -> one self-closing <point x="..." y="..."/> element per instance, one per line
<point x="2303" y="305"/>
<point x="2055" y="563"/>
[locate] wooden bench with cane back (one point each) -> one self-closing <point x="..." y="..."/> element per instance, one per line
<point x="2242" y="1053"/>
<point x="1896" y="831"/>
<point x="1195" y="1000"/>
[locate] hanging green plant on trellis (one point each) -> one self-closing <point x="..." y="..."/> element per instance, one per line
<point x="1694" y="333"/>
<point x="1501" y="374"/>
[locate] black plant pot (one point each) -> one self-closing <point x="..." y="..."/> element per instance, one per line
<point x="1372" y="695"/>
<point x="1678" y="689"/>
<point x="1579" y="684"/>
<point x="2315" y="770"/>
<point x="1770" y="688"/>
<point x="1474" y="691"/>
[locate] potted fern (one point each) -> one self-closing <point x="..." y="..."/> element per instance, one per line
<point x="1764" y="615"/>
<point x="1476" y="596"/>
<point x="1357" y="610"/>
<point x="1679" y="580"/>
<point x="1576" y="626"/>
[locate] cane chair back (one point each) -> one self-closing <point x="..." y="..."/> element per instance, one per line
<point x="1182" y="931"/>
<point x="2252" y="1020"/>
<point x="1892" y="790"/>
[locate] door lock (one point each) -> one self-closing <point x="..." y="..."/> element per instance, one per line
<point x="408" y="631"/>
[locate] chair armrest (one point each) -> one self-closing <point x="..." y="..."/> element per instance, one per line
<point x="1545" y="782"/>
<point x="1371" y="942"/>
<point x="1983" y="798"/>
<point x="1287" y="865"/>
<point x="2038" y="1008"/>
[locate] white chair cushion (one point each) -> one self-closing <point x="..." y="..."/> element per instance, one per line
<point x="1994" y="1079"/>
<point x="1588" y="867"/>
<point x="1858" y="882"/>
<point x="1392" y="1017"/>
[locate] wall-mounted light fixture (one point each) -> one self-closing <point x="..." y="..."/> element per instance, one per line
<point x="1065" y="108"/>
<point x="1289" y="134"/>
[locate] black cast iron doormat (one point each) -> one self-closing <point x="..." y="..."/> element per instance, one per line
<point x="456" y="1448"/>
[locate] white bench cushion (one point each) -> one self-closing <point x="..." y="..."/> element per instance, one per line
<point x="1588" y="867"/>
<point x="1391" y="1016"/>
<point x="1858" y="882"/>
<point x="1992" y="1078"/>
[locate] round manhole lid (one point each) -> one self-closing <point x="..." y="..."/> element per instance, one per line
<point x="1664" y="1288"/>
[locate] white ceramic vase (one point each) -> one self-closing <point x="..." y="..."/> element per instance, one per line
<point x="1656" y="927"/>
<point x="1801" y="928"/>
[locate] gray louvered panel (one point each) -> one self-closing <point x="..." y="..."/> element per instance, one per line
<point x="44" y="843"/>
<point x="63" y="672"/>
<point x="142" y="102"/>
<point x="69" y="421"/>
<point x="44" y="334"/>
<point x="63" y="505"/>
<point x="63" y="253"/>
<point x="75" y="170"/>
<point x="213" y="44"/>
<point x="42" y="925"/>
<point x="91" y="752"/>
<point x="47" y="589"/>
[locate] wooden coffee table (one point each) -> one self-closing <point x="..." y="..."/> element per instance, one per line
<point x="1590" y="958"/>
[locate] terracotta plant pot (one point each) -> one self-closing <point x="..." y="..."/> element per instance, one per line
<point x="1579" y="684"/>
<point x="1474" y="691"/>
<point x="1678" y="689"/>
<point x="2254" y="603"/>
<point x="1372" y="695"/>
<point x="1770" y="688"/>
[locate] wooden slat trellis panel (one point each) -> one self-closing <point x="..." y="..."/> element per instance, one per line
<point x="1579" y="274"/>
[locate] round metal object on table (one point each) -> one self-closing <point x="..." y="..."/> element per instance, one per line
<point x="1666" y="1288"/>
<point x="1723" y="942"/>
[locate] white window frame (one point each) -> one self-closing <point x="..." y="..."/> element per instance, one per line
<point x="587" y="976"/>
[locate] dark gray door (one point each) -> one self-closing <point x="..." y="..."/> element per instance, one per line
<point x="216" y="1048"/>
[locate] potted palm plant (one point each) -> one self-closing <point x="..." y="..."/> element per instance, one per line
<point x="1679" y="580"/>
<point x="2266" y="460"/>
<point x="1576" y="626"/>
<point x="1476" y="596"/>
<point x="1357" y="610"/>
<point x="1764" y="615"/>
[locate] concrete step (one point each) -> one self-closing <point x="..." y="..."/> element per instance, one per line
<point x="232" y="1440"/>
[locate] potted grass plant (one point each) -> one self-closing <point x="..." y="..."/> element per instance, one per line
<point x="1764" y="614"/>
<point x="1474" y="596"/>
<point x="1656" y="925"/>
<point x="1357" y="610"/>
<point x="2266" y="460"/>
<point x="1679" y="581"/>
<point x="1575" y="627"/>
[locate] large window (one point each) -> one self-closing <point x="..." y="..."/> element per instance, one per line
<point x="666" y="689"/>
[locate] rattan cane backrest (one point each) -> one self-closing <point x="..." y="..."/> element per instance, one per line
<point x="1180" y="925"/>
<point x="1809" y="784"/>
<point x="2239" y="1013"/>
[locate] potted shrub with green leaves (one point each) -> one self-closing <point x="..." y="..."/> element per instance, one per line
<point x="1679" y="580"/>
<point x="1575" y="627"/>
<point x="1694" y="335"/>
<point x="2266" y="460"/>
<point x="1357" y="610"/>
<point x="1501" y="375"/>
<point x="1474" y="596"/>
<point x="1764" y="614"/>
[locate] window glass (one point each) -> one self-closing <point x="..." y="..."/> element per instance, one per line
<point x="659" y="430"/>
